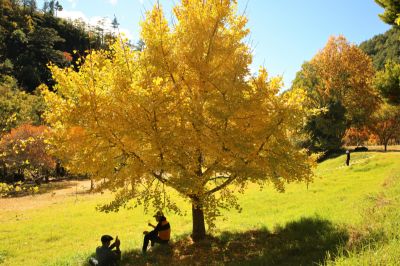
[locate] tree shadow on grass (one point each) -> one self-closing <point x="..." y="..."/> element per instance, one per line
<point x="304" y="242"/>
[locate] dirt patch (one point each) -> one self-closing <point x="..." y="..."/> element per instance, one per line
<point x="70" y="189"/>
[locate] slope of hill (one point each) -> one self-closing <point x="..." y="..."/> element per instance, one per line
<point x="383" y="47"/>
<point x="31" y="38"/>
<point x="348" y="215"/>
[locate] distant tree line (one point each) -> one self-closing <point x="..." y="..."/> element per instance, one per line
<point x="354" y="92"/>
<point x="31" y="38"/>
<point x="383" y="47"/>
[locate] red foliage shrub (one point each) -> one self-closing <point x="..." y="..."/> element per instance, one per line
<point x="25" y="149"/>
<point x="356" y="136"/>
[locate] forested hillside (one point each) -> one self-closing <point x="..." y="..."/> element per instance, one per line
<point x="383" y="47"/>
<point x="31" y="38"/>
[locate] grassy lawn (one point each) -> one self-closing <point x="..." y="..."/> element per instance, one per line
<point x="295" y="227"/>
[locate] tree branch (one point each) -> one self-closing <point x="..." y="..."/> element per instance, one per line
<point x="226" y="183"/>
<point x="211" y="39"/>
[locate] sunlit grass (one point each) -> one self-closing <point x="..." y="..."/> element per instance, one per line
<point x="66" y="232"/>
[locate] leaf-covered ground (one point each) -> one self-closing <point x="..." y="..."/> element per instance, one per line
<point x="303" y="242"/>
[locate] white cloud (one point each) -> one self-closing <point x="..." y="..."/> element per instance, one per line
<point x="141" y="1"/>
<point x="113" y="2"/>
<point x="105" y="22"/>
<point x="73" y="15"/>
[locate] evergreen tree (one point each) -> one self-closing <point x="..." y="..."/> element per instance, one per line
<point x="383" y="47"/>
<point x="29" y="40"/>
<point x="387" y="81"/>
<point x="392" y="11"/>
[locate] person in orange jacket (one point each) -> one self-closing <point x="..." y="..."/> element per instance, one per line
<point x="160" y="234"/>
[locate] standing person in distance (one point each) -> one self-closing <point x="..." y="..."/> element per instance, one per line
<point x="347" y="157"/>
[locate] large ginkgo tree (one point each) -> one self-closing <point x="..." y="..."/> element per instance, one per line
<point x="184" y="113"/>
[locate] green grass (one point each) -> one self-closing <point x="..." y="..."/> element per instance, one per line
<point x="301" y="226"/>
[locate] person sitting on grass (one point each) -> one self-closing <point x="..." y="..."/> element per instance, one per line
<point x="160" y="234"/>
<point x="105" y="255"/>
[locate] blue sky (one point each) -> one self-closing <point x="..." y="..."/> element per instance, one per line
<point x="284" y="33"/>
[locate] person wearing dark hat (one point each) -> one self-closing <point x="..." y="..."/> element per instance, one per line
<point x="160" y="234"/>
<point x="105" y="254"/>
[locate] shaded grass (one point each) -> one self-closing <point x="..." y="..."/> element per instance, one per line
<point x="3" y="255"/>
<point x="302" y="242"/>
<point x="66" y="232"/>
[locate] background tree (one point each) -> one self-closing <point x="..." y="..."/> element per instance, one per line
<point x="52" y="7"/>
<point x="385" y="123"/>
<point x="326" y="128"/>
<point x="392" y="11"/>
<point x="182" y="113"/>
<point x="387" y="82"/>
<point x="46" y="6"/>
<point x="336" y="80"/>
<point x="18" y="107"/>
<point x="29" y="40"/>
<point x="383" y="47"/>
<point x="40" y="49"/>
<point x="32" y="6"/>
<point x="115" y="23"/>
<point x="23" y="154"/>
<point x="58" y="7"/>
<point x="346" y="73"/>
<point x="356" y="136"/>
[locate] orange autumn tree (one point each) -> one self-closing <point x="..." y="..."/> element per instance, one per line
<point x="345" y="73"/>
<point x="340" y="94"/>
<point x="24" y="150"/>
<point x="356" y="136"/>
<point x="385" y="123"/>
<point x="184" y="113"/>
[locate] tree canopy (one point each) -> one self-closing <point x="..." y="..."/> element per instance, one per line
<point x="338" y="81"/>
<point x="18" y="107"/>
<point x="30" y="39"/>
<point x="392" y="11"/>
<point x="24" y="150"/>
<point x="385" y="123"/>
<point x="387" y="82"/>
<point x="383" y="47"/>
<point x="183" y="112"/>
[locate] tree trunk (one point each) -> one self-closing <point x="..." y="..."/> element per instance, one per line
<point x="4" y="172"/>
<point x="385" y="146"/>
<point x="46" y="176"/>
<point x="199" y="229"/>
